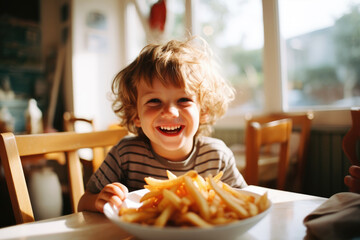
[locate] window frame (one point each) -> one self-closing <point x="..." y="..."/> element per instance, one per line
<point x="275" y="80"/>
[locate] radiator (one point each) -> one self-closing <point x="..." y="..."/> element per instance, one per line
<point x="326" y="164"/>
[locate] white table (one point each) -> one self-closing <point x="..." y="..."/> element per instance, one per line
<point x="285" y="221"/>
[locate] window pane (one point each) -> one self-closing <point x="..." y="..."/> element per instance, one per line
<point x="234" y="30"/>
<point x="322" y="50"/>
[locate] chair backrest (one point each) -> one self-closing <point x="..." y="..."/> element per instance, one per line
<point x="302" y="123"/>
<point x="13" y="147"/>
<point x="257" y="135"/>
<point x="70" y="122"/>
<point x="352" y="137"/>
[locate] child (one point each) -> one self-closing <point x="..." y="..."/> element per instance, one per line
<point x="169" y="97"/>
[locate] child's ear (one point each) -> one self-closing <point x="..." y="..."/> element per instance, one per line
<point x="137" y="122"/>
<point x="204" y="118"/>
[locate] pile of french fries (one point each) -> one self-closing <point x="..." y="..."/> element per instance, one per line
<point x="191" y="200"/>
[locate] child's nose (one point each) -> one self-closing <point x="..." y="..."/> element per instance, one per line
<point x="170" y="111"/>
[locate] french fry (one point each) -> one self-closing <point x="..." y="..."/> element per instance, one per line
<point x="252" y="209"/>
<point x="151" y="194"/>
<point x="201" y="183"/>
<point x="173" y="198"/>
<point x="238" y="194"/>
<point x="149" y="202"/>
<point x="163" y="204"/>
<point x="181" y="191"/>
<point x="228" y="199"/>
<point x="218" y="176"/>
<point x="138" y="216"/>
<point x="124" y="211"/>
<point x="191" y="200"/>
<point x="170" y="175"/>
<point x="199" y="199"/>
<point x="186" y="201"/>
<point x="164" y="216"/>
<point x="152" y="188"/>
<point x="196" y="220"/>
<point x="169" y="183"/>
<point x="263" y="202"/>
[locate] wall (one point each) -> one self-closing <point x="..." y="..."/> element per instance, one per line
<point x="56" y="35"/>
<point x="97" y="41"/>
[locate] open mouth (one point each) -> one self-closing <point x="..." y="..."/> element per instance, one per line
<point x="171" y="130"/>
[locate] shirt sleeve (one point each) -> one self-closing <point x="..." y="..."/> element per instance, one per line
<point x="232" y="176"/>
<point x="108" y="172"/>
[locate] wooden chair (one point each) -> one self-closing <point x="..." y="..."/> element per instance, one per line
<point x="257" y="135"/>
<point x="70" y="122"/>
<point x="301" y="123"/>
<point x="12" y="148"/>
<point x="352" y="138"/>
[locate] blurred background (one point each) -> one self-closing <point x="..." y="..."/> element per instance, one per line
<point x="291" y="56"/>
<point x="280" y="55"/>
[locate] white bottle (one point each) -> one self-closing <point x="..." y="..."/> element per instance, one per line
<point x="33" y="116"/>
<point x="45" y="193"/>
<point x="7" y="121"/>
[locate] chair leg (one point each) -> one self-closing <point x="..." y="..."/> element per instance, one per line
<point x="75" y="178"/>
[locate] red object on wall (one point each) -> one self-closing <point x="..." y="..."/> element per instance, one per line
<point x="157" y="17"/>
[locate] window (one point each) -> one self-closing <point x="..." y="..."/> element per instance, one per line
<point x="280" y="55"/>
<point x="234" y="30"/>
<point x="321" y="41"/>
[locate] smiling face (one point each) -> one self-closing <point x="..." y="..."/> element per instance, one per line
<point x="169" y="117"/>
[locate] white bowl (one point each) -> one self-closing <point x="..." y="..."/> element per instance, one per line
<point x="221" y="232"/>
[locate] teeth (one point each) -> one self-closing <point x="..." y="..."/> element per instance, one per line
<point x="166" y="128"/>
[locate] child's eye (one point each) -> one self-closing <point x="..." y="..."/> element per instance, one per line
<point x="183" y="100"/>
<point x="153" y="102"/>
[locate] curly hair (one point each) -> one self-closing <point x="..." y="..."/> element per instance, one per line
<point x="185" y="64"/>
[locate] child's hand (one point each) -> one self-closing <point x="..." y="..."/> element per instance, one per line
<point x="353" y="180"/>
<point x="114" y="193"/>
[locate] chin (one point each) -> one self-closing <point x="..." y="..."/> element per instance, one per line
<point x="173" y="145"/>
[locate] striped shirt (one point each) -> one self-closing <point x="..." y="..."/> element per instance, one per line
<point x="133" y="159"/>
